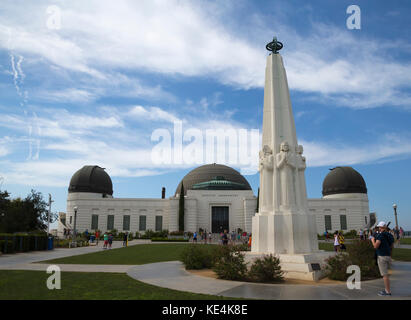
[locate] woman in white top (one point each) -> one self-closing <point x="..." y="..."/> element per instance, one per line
<point x="336" y="242"/>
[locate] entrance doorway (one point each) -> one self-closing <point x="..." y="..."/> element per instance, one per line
<point x="219" y="216"/>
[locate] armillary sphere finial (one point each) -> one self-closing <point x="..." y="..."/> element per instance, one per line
<point x="274" y="45"/>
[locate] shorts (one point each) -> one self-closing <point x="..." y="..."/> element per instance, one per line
<point x="105" y="242"/>
<point x="336" y="248"/>
<point x="384" y="263"/>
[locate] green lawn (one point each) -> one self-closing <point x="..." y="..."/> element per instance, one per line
<point x="405" y="241"/>
<point x="397" y="254"/>
<point x="133" y="255"/>
<point x="27" y="285"/>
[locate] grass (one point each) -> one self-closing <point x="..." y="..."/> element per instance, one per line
<point x="133" y="255"/>
<point x="31" y="285"/>
<point x="398" y="254"/>
<point x="405" y="241"/>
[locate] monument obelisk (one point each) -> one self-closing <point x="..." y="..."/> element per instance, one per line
<point x="283" y="225"/>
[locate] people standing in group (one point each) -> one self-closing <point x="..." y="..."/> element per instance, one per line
<point x="105" y="238"/>
<point x="361" y="234"/>
<point x="383" y="243"/>
<point x="336" y="242"/>
<point x="110" y="240"/>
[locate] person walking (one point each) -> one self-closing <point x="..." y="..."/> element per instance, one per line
<point x="105" y="238"/>
<point x="125" y="237"/>
<point x="195" y="237"/>
<point x="336" y="242"/>
<point x="97" y="235"/>
<point x="383" y="243"/>
<point x="110" y="240"/>
<point x="224" y="238"/>
<point x="209" y="237"/>
<point x="341" y="240"/>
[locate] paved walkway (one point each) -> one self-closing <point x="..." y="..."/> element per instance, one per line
<point x="15" y="259"/>
<point x="172" y="275"/>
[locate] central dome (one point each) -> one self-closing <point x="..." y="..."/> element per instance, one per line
<point x="213" y="177"/>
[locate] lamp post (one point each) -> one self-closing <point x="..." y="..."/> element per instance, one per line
<point x="75" y="231"/>
<point x="395" y="214"/>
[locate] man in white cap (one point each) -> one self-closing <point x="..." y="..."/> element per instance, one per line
<point x="383" y="243"/>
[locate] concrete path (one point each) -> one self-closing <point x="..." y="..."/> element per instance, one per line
<point x="15" y="259"/>
<point x="172" y="275"/>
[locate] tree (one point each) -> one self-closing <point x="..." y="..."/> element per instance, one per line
<point x="4" y="206"/>
<point x="181" y="209"/>
<point x="24" y="215"/>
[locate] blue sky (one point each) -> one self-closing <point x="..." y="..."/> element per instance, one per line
<point x="88" y="82"/>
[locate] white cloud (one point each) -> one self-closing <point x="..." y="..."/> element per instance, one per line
<point x="196" y="38"/>
<point x="386" y="148"/>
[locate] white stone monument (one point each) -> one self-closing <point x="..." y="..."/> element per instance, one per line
<point x="283" y="226"/>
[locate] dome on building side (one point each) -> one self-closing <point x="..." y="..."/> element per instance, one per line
<point x="91" y="179"/>
<point x="342" y="180"/>
<point x="213" y="177"/>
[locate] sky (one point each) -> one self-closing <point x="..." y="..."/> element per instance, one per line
<point x="136" y="87"/>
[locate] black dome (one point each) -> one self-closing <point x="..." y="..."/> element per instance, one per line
<point x="211" y="172"/>
<point x="91" y="179"/>
<point x="343" y="180"/>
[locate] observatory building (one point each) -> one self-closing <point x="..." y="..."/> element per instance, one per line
<point x="216" y="198"/>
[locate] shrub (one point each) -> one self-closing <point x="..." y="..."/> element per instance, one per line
<point x="197" y="257"/>
<point x="230" y="265"/>
<point x="360" y="253"/>
<point x="337" y="267"/>
<point x="266" y="269"/>
<point x="351" y="234"/>
<point x="177" y="233"/>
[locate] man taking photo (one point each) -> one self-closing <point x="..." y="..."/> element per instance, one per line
<point x="383" y="243"/>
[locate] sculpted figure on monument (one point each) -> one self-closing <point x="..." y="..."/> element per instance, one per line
<point x="286" y="164"/>
<point x="266" y="166"/>
<point x="301" y="165"/>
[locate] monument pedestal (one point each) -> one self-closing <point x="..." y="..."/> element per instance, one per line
<point x="292" y="238"/>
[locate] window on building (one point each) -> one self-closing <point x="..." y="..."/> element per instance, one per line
<point x="142" y="223"/>
<point x="327" y="221"/>
<point x="110" y="222"/>
<point x="366" y="222"/>
<point x="71" y="219"/>
<point x="94" y="221"/>
<point x="343" y="222"/>
<point x="159" y="223"/>
<point x="126" y="223"/>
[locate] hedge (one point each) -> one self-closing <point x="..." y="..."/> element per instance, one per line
<point x="22" y="242"/>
